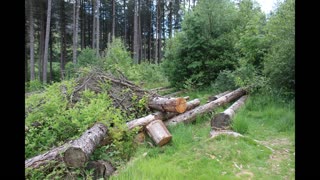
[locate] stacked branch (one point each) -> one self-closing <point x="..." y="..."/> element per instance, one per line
<point x="74" y="153"/>
<point x="191" y="115"/>
<point x="223" y="119"/>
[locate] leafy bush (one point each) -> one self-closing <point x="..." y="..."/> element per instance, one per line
<point x="204" y="47"/>
<point x="34" y="85"/>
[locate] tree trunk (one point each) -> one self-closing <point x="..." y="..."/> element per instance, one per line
<point x="142" y="122"/>
<point x="170" y="20"/>
<point x="83" y="18"/>
<point x="98" y="28"/>
<point x="78" y="153"/>
<point x="31" y="33"/>
<point x="113" y="18"/>
<point x="45" y="59"/>
<point x="74" y="153"/>
<point x="62" y="40"/>
<point x="160" y="32"/>
<point x="190" y="116"/>
<point x="93" y="24"/>
<point x="75" y="31"/>
<point x="42" y="37"/>
<point x="158" y="132"/>
<point x="168" y="104"/>
<point x="212" y="98"/>
<point x="150" y="32"/>
<point x="223" y="119"/>
<point x="51" y="57"/>
<point x="136" y="33"/>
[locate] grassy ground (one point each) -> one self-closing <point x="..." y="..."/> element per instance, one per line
<point x="267" y="150"/>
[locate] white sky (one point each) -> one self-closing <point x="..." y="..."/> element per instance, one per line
<point x="266" y="5"/>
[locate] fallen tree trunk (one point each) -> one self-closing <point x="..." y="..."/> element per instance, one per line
<point x="191" y="115"/>
<point x="168" y="104"/>
<point x="158" y="132"/>
<point x="223" y="119"/>
<point x="142" y="122"/>
<point x="212" y="98"/>
<point x="74" y="153"/>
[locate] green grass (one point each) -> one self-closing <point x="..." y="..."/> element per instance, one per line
<point x="191" y="154"/>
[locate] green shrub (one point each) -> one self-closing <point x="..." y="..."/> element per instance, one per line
<point x="34" y="85"/>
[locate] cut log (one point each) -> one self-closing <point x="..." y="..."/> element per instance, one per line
<point x="223" y="119"/>
<point x="78" y="153"/>
<point x="168" y="104"/>
<point x="191" y="115"/>
<point x="212" y="98"/>
<point x="101" y="169"/>
<point x="74" y="153"/>
<point x="142" y="122"/>
<point x="158" y="132"/>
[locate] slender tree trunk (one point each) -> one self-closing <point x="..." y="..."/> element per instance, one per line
<point x="51" y="56"/>
<point x="93" y="24"/>
<point x="41" y="38"/>
<point x="158" y="51"/>
<point x="156" y="42"/>
<point x="150" y="32"/>
<point x="31" y="33"/>
<point x="45" y="59"/>
<point x="75" y="31"/>
<point x="170" y="19"/>
<point x="82" y="18"/>
<point x="125" y="20"/>
<point x="136" y="34"/>
<point x="113" y="18"/>
<point x="98" y="27"/>
<point x="62" y="40"/>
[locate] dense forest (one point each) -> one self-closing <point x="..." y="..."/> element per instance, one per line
<point x="83" y="58"/>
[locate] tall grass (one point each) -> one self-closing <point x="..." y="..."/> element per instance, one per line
<point x="191" y="154"/>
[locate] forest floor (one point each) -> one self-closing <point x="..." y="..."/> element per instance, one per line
<point x="266" y="150"/>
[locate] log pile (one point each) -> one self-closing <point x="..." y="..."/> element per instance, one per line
<point x="168" y="111"/>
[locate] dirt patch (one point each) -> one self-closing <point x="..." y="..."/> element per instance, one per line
<point x="281" y="152"/>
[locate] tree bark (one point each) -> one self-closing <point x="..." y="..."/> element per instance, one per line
<point x="168" y="104"/>
<point x="98" y="28"/>
<point x="93" y="24"/>
<point x="74" y="153"/>
<point x="31" y="34"/>
<point x="223" y="119"/>
<point x="51" y="57"/>
<point x="75" y="31"/>
<point x="142" y="122"/>
<point x="46" y="44"/>
<point x="136" y="33"/>
<point x="191" y="115"/>
<point x="63" y="39"/>
<point x="170" y="20"/>
<point x="212" y="98"/>
<point x="158" y="132"/>
<point x="113" y="18"/>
